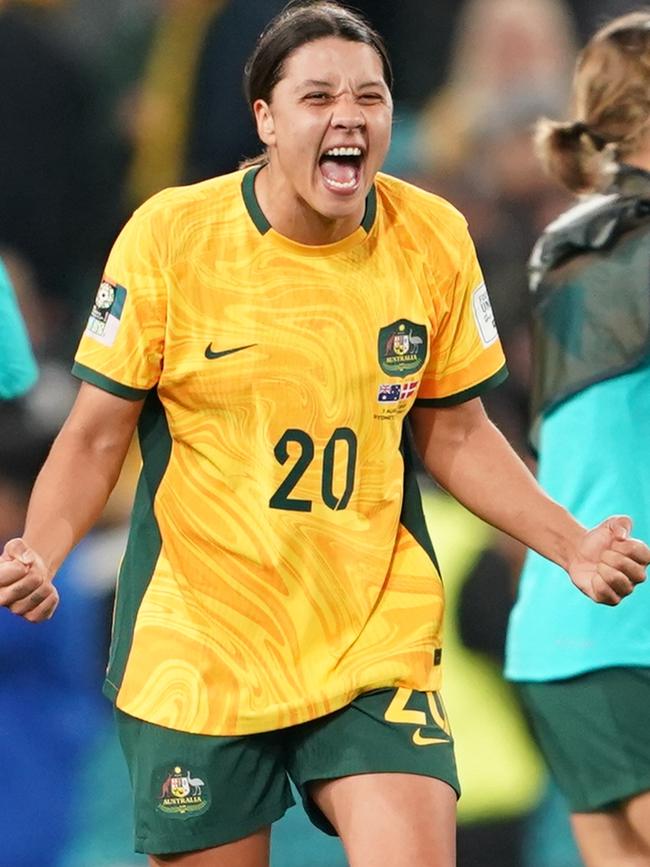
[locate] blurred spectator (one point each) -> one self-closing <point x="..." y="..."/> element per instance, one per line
<point x="49" y="697"/>
<point x="52" y="711"/>
<point x="193" y="122"/>
<point x="510" y="61"/>
<point x="58" y="195"/>
<point x="170" y="87"/>
<point x="417" y="35"/>
<point x="507" y="58"/>
<point x="472" y="145"/>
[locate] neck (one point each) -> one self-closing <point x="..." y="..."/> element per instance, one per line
<point x="292" y="216"/>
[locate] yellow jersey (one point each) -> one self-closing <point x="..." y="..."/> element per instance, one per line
<point x="278" y="562"/>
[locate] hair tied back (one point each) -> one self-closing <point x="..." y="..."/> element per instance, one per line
<point x="580" y="128"/>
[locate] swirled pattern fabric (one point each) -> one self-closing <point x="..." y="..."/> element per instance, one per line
<point x="274" y="569"/>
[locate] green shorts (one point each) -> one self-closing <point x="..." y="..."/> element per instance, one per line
<point x="194" y="792"/>
<point x="594" y="733"/>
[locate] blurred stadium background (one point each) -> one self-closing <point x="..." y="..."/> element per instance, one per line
<point x="104" y="102"/>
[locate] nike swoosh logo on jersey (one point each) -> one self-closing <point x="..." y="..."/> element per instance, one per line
<point x="421" y="741"/>
<point x="210" y="353"/>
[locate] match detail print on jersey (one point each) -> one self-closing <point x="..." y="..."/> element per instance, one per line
<point x="484" y="315"/>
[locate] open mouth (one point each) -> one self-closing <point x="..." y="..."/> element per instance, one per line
<point x="340" y="168"/>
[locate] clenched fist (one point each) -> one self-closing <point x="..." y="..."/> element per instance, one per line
<point x="25" y="586"/>
<point x="608" y="563"/>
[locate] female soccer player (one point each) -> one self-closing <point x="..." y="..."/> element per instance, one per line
<point x="584" y="671"/>
<point x="279" y="603"/>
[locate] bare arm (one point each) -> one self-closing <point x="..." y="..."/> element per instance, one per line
<point x="471" y="459"/>
<point x="68" y="498"/>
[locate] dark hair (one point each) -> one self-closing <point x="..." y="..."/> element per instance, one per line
<point x="300" y="22"/>
<point x="612" y="103"/>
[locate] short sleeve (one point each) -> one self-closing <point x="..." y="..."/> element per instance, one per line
<point x="18" y="370"/>
<point x="466" y="357"/>
<point x="121" y="349"/>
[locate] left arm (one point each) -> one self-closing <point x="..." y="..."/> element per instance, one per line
<point x="469" y="457"/>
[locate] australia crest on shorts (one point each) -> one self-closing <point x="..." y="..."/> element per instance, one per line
<point x="182" y="792"/>
<point x="402" y="347"/>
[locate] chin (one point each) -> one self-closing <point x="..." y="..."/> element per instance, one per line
<point x="334" y="206"/>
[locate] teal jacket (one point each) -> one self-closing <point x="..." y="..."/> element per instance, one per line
<point x="18" y="371"/>
<point x="590" y="282"/>
<point x="591" y="425"/>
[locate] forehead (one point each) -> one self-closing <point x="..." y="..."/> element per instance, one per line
<point x="331" y="58"/>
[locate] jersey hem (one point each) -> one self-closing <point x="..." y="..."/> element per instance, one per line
<point x="91" y="376"/>
<point x="577" y="671"/>
<point x="298" y="715"/>
<point x="468" y="393"/>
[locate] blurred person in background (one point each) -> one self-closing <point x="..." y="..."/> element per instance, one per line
<point x="505" y="55"/>
<point x="50" y="705"/>
<point x="59" y="192"/>
<point x="18" y="370"/>
<point x="583" y="672"/>
<point x="189" y="120"/>
<point x="510" y="62"/>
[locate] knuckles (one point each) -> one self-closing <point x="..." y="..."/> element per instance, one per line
<point x="604" y="594"/>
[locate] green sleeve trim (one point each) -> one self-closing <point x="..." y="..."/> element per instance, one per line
<point x="469" y="393"/>
<point x="87" y="374"/>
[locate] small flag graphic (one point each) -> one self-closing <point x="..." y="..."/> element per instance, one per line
<point x="389" y="393"/>
<point x="407" y="389"/>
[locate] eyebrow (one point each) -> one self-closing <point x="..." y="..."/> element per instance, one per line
<point x="315" y="82"/>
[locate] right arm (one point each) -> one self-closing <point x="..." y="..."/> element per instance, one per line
<point x="68" y="498"/>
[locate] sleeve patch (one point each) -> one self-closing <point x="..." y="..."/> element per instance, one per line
<point x="104" y="319"/>
<point x="484" y="316"/>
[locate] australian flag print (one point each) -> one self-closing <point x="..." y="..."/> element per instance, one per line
<point x="389" y="393"/>
<point x="396" y="392"/>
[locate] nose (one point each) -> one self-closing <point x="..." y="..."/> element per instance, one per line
<point x="347" y="115"/>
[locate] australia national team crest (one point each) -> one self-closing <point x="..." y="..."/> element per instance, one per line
<point x="402" y="347"/>
<point x="182" y="793"/>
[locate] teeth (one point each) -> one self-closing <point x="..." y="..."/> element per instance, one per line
<point x="343" y="152"/>
<point x="340" y="185"/>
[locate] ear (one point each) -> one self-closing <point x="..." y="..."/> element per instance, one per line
<point x="264" y="121"/>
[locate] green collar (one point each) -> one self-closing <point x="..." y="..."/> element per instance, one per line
<point x="262" y="224"/>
